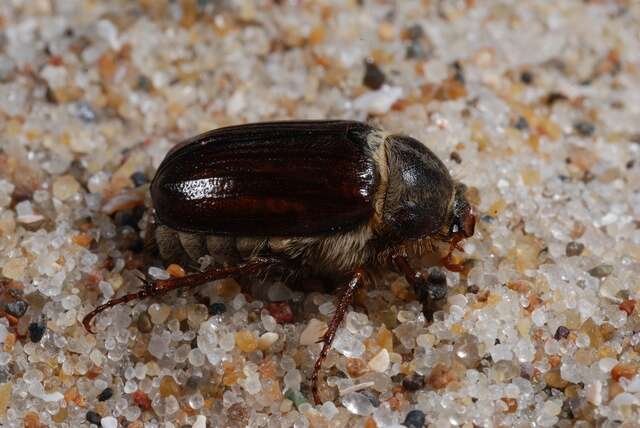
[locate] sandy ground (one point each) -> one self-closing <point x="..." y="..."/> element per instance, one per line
<point x="535" y="105"/>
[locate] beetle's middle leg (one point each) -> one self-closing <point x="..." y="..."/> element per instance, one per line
<point x="162" y="286"/>
<point x="345" y="299"/>
<point x="429" y="288"/>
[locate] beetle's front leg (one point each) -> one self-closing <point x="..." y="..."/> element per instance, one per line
<point x="344" y="301"/>
<point x="158" y="287"/>
<point x="447" y="261"/>
<point x="428" y="288"/>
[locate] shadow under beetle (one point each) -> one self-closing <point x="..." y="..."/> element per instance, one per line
<point x="327" y="197"/>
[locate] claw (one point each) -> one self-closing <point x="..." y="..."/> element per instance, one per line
<point x="86" y="322"/>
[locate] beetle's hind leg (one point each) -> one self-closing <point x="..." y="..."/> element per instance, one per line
<point x="158" y="287"/>
<point x="345" y="299"/>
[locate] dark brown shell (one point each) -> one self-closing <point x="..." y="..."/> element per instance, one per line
<point x="269" y="179"/>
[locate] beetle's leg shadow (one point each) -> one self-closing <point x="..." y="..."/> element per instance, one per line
<point x="158" y="287"/>
<point x="343" y="302"/>
<point x="429" y="289"/>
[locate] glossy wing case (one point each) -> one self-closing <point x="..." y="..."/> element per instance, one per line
<point x="269" y="179"/>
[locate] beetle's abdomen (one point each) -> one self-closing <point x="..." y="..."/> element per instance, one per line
<point x="335" y="253"/>
<point x="273" y="179"/>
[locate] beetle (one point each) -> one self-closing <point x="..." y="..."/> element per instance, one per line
<point x="329" y="197"/>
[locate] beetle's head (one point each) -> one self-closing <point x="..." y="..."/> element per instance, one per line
<point x="419" y="192"/>
<point x="462" y="217"/>
<point x="422" y="200"/>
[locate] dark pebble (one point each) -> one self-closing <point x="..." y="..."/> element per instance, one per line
<point x="77" y="170"/>
<point x="138" y="211"/>
<point x="144" y="323"/>
<point x="50" y="96"/>
<point x="128" y="239"/>
<point x="413" y="382"/>
<point x="526" y="77"/>
<point x="93" y="417"/>
<point x="561" y="333"/>
<point x="105" y="395"/>
<point x="7" y="70"/>
<point x="415" y="51"/>
<point x="373" y="78"/>
<point x="586" y="129"/>
<point x="4" y="375"/>
<point x="601" y="271"/>
<point x="588" y="177"/>
<point x="36" y="331"/>
<point x="17" y="308"/>
<point x="85" y="112"/>
<point x="521" y="124"/>
<point x="455" y="156"/>
<point x="414" y="419"/>
<point x="487" y="218"/>
<point x="136" y="245"/>
<point x="138" y="178"/>
<point x="574" y="249"/>
<point x="397" y="378"/>
<point x="124" y="218"/>
<point x="130" y="217"/>
<point x="217" y="308"/>
<point x="144" y="83"/>
<point x="415" y="32"/>
<point x="458" y="72"/>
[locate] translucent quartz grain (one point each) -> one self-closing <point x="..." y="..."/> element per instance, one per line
<point x="357" y="403"/>
<point x="196" y="357"/>
<point x="348" y="344"/>
<point x="196" y="401"/>
<point x="158" y="273"/>
<point x="380" y="361"/>
<point x="159" y="344"/>
<point x="109" y="422"/>
<point x="65" y="187"/>
<point x="159" y="312"/>
<point x="196" y="314"/>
